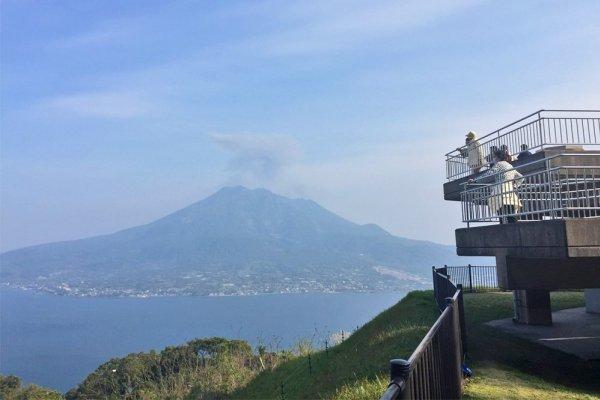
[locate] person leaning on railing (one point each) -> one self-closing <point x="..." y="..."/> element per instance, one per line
<point x="503" y="198"/>
<point x="525" y="153"/>
<point x="472" y="152"/>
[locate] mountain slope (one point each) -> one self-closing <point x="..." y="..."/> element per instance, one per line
<point x="236" y="241"/>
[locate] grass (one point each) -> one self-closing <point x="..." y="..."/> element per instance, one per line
<point x="496" y="382"/>
<point x="509" y="367"/>
<point x="356" y="368"/>
<point x="504" y="366"/>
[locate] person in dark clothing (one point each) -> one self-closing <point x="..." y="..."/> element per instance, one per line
<point x="525" y="153"/>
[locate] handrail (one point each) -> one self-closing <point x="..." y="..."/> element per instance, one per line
<point x="523" y="119"/>
<point x="540" y="161"/>
<point x="472" y="278"/>
<point x="432" y="331"/>
<point x="434" y="368"/>
<point x="550" y="192"/>
<point x="506" y="126"/>
<point x="394" y="390"/>
<point x="541" y="129"/>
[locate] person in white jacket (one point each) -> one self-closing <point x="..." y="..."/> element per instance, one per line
<point x="472" y="152"/>
<point x="503" y="199"/>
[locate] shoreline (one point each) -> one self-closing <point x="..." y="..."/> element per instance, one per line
<point x="154" y="296"/>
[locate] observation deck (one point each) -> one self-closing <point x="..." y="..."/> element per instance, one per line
<point x="540" y="219"/>
<point x="540" y="131"/>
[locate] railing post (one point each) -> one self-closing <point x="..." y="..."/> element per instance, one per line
<point x="552" y="200"/>
<point x="463" y="325"/>
<point x="399" y="372"/>
<point x="540" y="129"/>
<point x="436" y="289"/>
<point x="455" y="373"/>
<point x="470" y="279"/>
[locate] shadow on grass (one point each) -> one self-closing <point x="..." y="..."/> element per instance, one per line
<point x="491" y="346"/>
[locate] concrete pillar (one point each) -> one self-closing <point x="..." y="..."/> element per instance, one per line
<point x="592" y="300"/>
<point x="532" y="307"/>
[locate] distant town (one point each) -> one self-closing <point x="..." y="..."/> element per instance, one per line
<point x="221" y="284"/>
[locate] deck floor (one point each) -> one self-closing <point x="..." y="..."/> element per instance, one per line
<point x="574" y="331"/>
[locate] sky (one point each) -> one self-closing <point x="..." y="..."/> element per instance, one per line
<point x="116" y="113"/>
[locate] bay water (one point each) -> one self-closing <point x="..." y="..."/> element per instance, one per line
<point x="56" y="341"/>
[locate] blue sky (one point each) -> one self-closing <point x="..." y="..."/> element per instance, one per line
<point x="116" y="113"/>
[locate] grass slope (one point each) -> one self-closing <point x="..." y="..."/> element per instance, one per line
<point x="504" y="366"/>
<point x="359" y="364"/>
<point x="495" y="382"/>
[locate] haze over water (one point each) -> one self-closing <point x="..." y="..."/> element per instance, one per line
<point x="57" y="341"/>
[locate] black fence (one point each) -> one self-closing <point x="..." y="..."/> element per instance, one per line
<point x="473" y="278"/>
<point x="434" y="370"/>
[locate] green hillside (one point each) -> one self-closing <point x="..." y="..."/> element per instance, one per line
<point x="504" y="367"/>
<point x="12" y="388"/>
<point x="359" y="361"/>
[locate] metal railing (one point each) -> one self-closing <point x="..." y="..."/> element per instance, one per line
<point x="472" y="278"/>
<point x="434" y="370"/>
<point x="443" y="289"/>
<point x="538" y="130"/>
<point x="549" y="192"/>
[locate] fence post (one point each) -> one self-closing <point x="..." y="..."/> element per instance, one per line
<point x="470" y="280"/>
<point x="437" y="289"/>
<point x="542" y="137"/>
<point x="433" y="278"/>
<point x="463" y="325"/>
<point x="399" y="372"/>
<point x="455" y="389"/>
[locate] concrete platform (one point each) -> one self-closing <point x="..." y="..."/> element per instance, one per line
<point x="549" y="254"/>
<point x="574" y="331"/>
<point x="560" y="238"/>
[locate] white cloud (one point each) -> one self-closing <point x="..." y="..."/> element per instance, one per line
<point x="99" y="104"/>
<point x="106" y="32"/>
<point x="92" y="38"/>
<point x="304" y="27"/>
<point x="349" y="24"/>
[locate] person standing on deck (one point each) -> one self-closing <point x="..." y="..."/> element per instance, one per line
<point x="472" y="152"/>
<point x="503" y="198"/>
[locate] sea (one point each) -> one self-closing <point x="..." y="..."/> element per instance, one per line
<point x="56" y="341"/>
